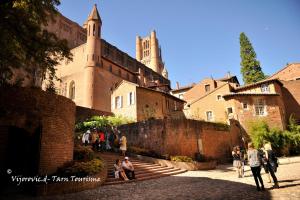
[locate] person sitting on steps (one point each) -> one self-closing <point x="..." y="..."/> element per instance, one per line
<point x="128" y="168"/>
<point x="119" y="172"/>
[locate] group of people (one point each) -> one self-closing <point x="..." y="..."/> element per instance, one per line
<point x="124" y="170"/>
<point x="105" y="140"/>
<point x="257" y="158"/>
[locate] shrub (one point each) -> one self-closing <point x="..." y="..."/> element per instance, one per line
<point x="83" y="153"/>
<point x="81" y="169"/>
<point x="102" y="121"/>
<point x="181" y="159"/>
<point x="284" y="142"/>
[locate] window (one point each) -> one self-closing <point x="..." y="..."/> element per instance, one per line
<point x="175" y="105"/>
<point x="110" y="68"/>
<point x="209" y="116"/>
<point x="94" y="30"/>
<point x="207" y="88"/>
<point x="72" y="90"/>
<point x="120" y="73"/>
<point x="265" y="88"/>
<point x="130" y="98"/>
<point x="118" y="102"/>
<point x="297" y="79"/>
<point x="167" y="104"/>
<point x="89" y="29"/>
<point x="99" y="31"/>
<point x="219" y="97"/>
<point x="245" y="105"/>
<point x="260" y="107"/>
<point x="229" y="110"/>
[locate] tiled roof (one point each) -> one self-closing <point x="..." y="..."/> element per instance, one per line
<point x="291" y="64"/>
<point x="257" y="83"/>
<point x="184" y="87"/>
<point x="249" y="94"/>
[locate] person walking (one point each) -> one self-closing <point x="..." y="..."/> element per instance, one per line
<point x="123" y="144"/>
<point x="255" y="165"/>
<point x="271" y="163"/>
<point x="237" y="163"/>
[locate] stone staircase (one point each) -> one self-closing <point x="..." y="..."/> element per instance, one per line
<point x="143" y="170"/>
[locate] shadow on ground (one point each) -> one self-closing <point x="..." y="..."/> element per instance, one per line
<point x="173" y="187"/>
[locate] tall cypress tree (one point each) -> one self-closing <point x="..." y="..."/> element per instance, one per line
<point x="250" y="66"/>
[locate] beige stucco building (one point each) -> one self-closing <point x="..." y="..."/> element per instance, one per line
<point x="98" y="66"/>
<point x="205" y="100"/>
<point x="141" y="103"/>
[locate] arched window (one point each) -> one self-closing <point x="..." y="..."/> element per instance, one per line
<point x="72" y="90"/>
<point x="99" y="31"/>
<point x="89" y="29"/>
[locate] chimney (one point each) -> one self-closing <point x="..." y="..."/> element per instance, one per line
<point x="177" y="85"/>
<point x="228" y="74"/>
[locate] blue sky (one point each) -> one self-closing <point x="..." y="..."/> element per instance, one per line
<point x="200" y="38"/>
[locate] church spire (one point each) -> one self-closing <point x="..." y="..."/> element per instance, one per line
<point x="94" y="15"/>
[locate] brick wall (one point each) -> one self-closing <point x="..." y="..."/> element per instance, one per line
<point x="275" y="116"/>
<point x="38" y="112"/>
<point x="291" y="98"/>
<point x="83" y="113"/>
<point x="182" y="137"/>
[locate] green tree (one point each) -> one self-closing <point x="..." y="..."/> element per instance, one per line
<point x="250" y="66"/>
<point x="25" y="44"/>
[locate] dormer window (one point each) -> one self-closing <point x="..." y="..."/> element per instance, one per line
<point x="265" y="88"/>
<point x="207" y="88"/>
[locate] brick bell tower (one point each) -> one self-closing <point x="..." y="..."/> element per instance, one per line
<point x="93" y="56"/>
<point x="148" y="52"/>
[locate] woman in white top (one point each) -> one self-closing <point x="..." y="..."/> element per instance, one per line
<point x="86" y="137"/>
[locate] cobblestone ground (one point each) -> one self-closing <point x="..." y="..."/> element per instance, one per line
<point x="221" y="183"/>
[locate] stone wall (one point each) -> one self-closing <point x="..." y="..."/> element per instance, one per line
<point x="183" y="137"/>
<point x="47" y="117"/>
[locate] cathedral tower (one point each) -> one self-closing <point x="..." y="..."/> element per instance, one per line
<point x="148" y="52"/>
<point x="93" y="56"/>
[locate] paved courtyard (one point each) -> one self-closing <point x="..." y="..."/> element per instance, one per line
<point x="221" y="183"/>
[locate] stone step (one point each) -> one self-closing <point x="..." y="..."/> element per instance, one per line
<point x="117" y="181"/>
<point x="141" y="174"/>
<point x="146" y="176"/>
<point x="138" y="166"/>
<point x="135" y="164"/>
<point x="138" y="172"/>
<point x="111" y="171"/>
<point x="143" y="170"/>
